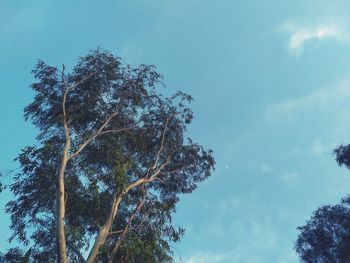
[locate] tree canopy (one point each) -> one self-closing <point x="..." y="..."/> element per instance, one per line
<point x="102" y="182"/>
<point x="325" y="238"/>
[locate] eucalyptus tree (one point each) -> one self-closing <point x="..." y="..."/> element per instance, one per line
<point x="102" y="182"/>
<point x="325" y="238"/>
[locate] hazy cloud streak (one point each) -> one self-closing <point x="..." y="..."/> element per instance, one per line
<point x="299" y="35"/>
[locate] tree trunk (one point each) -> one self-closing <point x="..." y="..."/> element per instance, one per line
<point x="60" y="213"/>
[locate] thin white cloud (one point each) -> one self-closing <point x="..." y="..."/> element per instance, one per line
<point x="299" y="35"/>
<point x="290" y="178"/>
<point x="317" y="148"/>
<point x="326" y="98"/>
<point x="266" y="168"/>
<point x="207" y="257"/>
<point x="229" y="205"/>
<point x="252" y="229"/>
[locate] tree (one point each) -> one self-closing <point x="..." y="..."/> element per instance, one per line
<point x="326" y="236"/>
<point x="108" y="168"/>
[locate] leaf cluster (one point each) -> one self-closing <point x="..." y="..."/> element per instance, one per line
<point x="147" y="132"/>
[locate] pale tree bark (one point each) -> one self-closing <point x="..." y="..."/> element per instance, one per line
<point x="60" y="203"/>
<point x="105" y="229"/>
<point x="124" y="232"/>
<point x="60" y="192"/>
<point x="66" y="157"/>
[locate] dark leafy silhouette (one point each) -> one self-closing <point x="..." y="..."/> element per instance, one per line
<point x="326" y="236"/>
<point x="110" y="162"/>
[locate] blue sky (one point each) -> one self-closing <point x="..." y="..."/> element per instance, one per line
<point x="271" y="82"/>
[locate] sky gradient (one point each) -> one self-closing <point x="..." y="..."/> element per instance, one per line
<point x="271" y="87"/>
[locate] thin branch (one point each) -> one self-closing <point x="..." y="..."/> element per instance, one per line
<point x="142" y="221"/>
<point x="65" y="124"/>
<point x="64" y="101"/>
<point x="76" y="251"/>
<point x="125" y="231"/>
<point x="116" y="131"/>
<point x="132" y="228"/>
<point x="69" y="243"/>
<point x="157" y="178"/>
<point x="131" y="186"/>
<point x="9" y="171"/>
<point x="153" y="176"/>
<point x="81" y="81"/>
<point x="130" y="220"/>
<point x="146" y="178"/>
<point x="106" y="228"/>
<point x="162" y="143"/>
<point x="116" y="232"/>
<point x="177" y="170"/>
<point x="93" y="136"/>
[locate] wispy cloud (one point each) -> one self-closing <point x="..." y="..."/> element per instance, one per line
<point x="326" y="98"/>
<point x="290" y="178"/>
<point x="207" y="257"/>
<point x="299" y="35"/>
<point x="324" y="112"/>
<point x="252" y="230"/>
<point x="317" y="148"/>
<point x="265" y="168"/>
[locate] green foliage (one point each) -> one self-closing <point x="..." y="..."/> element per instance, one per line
<point x="151" y="130"/>
<point x="1" y="184"/>
<point x="326" y="235"/>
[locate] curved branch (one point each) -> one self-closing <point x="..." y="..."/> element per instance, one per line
<point x="76" y="251"/>
<point x="124" y="232"/>
<point x="105" y="229"/>
<point x="93" y="136"/>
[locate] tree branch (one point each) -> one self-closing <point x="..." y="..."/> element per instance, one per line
<point x="125" y="231"/>
<point x="65" y="93"/>
<point x="105" y="229"/>
<point x="81" y="81"/>
<point x="60" y="191"/>
<point x="76" y="251"/>
<point x="161" y="143"/>
<point x="132" y="228"/>
<point x="116" y="131"/>
<point x="93" y="136"/>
